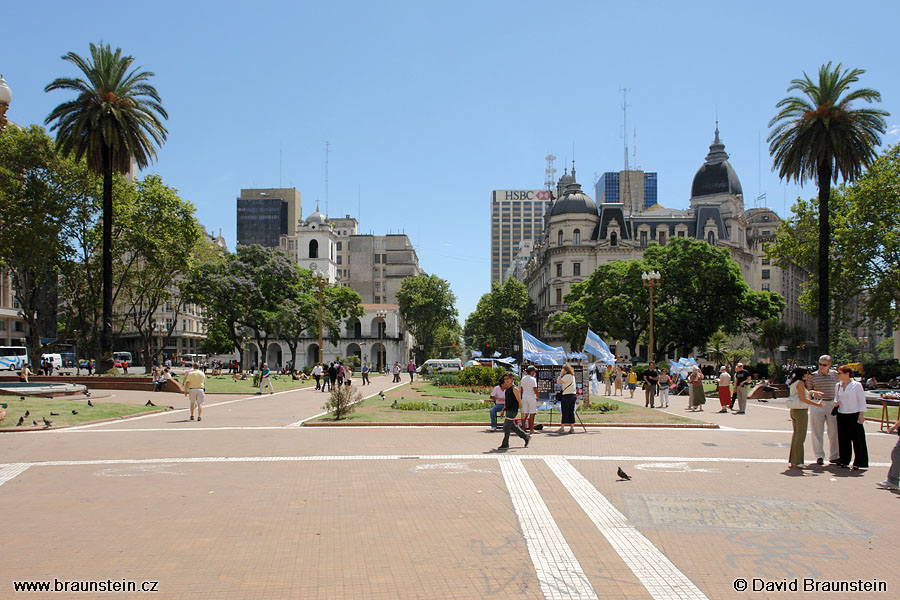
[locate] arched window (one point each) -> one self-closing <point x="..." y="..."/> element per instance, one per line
<point x="559" y="238"/>
<point x="357" y="329"/>
<point x="711" y="238"/>
<point x="313" y="249"/>
<point x="613" y="239"/>
<point x="576" y="236"/>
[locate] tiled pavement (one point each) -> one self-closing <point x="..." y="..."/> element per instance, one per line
<point x="244" y="506"/>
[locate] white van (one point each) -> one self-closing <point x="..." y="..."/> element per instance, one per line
<point x="55" y="360"/>
<point x="441" y="365"/>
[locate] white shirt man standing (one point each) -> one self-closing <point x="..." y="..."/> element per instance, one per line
<point x="824" y="379"/>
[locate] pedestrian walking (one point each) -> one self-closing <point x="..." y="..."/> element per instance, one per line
<point x="697" y="397"/>
<point x="607" y="380"/>
<point x="365" y="374"/>
<point x="340" y="374"/>
<point x="264" y="380"/>
<point x="411" y="369"/>
<point x="332" y="376"/>
<point x="125" y="367"/>
<point x="195" y="390"/>
<point x="893" y="477"/>
<point x="664" y="382"/>
<point x="317" y="375"/>
<point x="741" y="388"/>
<point x="850" y="399"/>
<point x="512" y="409"/>
<point x="395" y="370"/>
<point x="567" y="398"/>
<point x="724" y="389"/>
<point x="529" y="393"/>
<point x="617" y="376"/>
<point x="824" y="379"/>
<point x="90" y="366"/>
<point x="799" y="400"/>
<point x="651" y="381"/>
<point x="632" y="381"/>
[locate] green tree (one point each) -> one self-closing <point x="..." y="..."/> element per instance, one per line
<point x="40" y="197"/>
<point x="218" y="340"/>
<point x="426" y="303"/>
<point x="448" y="340"/>
<point x="717" y="347"/>
<point x="820" y="136"/>
<point x="114" y="120"/>
<point x="162" y="236"/>
<point x="499" y="316"/>
<point x="769" y="334"/>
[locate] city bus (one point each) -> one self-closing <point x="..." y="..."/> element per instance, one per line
<point x="13" y="357"/>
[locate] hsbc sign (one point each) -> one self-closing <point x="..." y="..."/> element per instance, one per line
<point x="539" y="195"/>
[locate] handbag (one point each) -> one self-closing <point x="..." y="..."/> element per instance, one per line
<point x="834" y="411"/>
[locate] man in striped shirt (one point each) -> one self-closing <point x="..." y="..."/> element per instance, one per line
<point x="824" y="379"/>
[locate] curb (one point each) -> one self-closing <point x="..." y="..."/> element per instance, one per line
<point x="476" y="424"/>
<point x="109" y="420"/>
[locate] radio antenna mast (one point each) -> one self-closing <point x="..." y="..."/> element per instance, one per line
<point x="550" y="172"/>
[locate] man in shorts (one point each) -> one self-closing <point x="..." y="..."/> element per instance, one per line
<point x="195" y="389"/>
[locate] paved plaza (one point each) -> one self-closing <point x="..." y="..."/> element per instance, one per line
<point x="250" y="504"/>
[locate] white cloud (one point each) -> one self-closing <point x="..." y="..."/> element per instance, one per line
<point x="894" y="130"/>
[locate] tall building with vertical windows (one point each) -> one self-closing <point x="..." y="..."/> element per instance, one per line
<point x="635" y="189"/>
<point x="516" y="216"/>
<point x="263" y="215"/>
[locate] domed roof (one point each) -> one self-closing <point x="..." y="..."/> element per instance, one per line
<point x="716" y="176"/>
<point x="574" y="202"/>
<point x="316" y="218"/>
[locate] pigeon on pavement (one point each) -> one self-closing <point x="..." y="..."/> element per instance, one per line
<point x="21" y="420"/>
<point x="53" y="414"/>
<point x="74" y="412"/>
<point x="91" y="404"/>
<point x="33" y="423"/>
<point x="149" y="403"/>
<point x="27" y="412"/>
<point x="46" y="422"/>
<point x="623" y="475"/>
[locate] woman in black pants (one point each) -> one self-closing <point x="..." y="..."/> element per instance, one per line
<point x="850" y="400"/>
<point x="567" y="400"/>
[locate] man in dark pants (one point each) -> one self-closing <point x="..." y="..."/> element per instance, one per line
<point x="651" y="379"/>
<point x="512" y="408"/>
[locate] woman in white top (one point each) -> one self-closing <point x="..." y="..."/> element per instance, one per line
<point x="850" y="400"/>
<point x="799" y="401"/>
<point x="567" y="398"/>
<point x="528" y="386"/>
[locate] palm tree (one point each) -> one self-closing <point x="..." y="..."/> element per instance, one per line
<point x="770" y="333"/>
<point x="818" y="137"/>
<point x="114" y="120"/>
<point x="717" y="348"/>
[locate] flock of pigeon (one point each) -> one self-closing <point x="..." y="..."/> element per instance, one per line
<point x="47" y="422"/>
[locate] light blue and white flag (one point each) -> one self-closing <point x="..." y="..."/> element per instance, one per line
<point x="497" y="354"/>
<point x="536" y="351"/>
<point x="475" y="353"/>
<point x="596" y="346"/>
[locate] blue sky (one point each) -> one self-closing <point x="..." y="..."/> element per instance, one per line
<point x="429" y="106"/>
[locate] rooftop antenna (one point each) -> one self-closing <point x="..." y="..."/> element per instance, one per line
<point x="327" y="150"/>
<point x="625" y="106"/>
<point x="550" y="171"/>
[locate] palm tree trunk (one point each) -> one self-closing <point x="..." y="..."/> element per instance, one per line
<point x="105" y="363"/>
<point x="824" y="320"/>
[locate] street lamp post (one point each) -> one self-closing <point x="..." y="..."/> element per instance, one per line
<point x="651" y="280"/>
<point x="321" y="281"/>
<point x="381" y="314"/>
<point x="5" y="99"/>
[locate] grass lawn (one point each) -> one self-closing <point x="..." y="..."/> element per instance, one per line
<point x="875" y="413"/>
<point x="378" y="410"/>
<point x="226" y="385"/>
<point x="42" y="407"/>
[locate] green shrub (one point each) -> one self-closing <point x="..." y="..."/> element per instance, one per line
<point x="421" y="405"/>
<point x="639" y="371"/>
<point x="342" y="401"/>
<point x="603" y="407"/>
<point x="479" y="375"/>
<point x="307" y="370"/>
<point x="445" y="379"/>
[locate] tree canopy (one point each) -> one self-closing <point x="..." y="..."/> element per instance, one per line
<point x="426" y="304"/>
<point x="495" y="324"/>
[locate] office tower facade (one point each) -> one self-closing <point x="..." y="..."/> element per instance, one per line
<point x="635" y="189"/>
<point x="263" y="215"/>
<point x="516" y="216"/>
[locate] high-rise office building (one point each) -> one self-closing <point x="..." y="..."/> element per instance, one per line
<point x="636" y="189"/>
<point x="265" y="214"/>
<point x="516" y="216"/>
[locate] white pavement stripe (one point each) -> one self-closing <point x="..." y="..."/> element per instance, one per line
<point x="559" y="572"/>
<point x="9" y="471"/>
<point x="662" y="579"/>
<point x="180" y="410"/>
<point x="322" y="414"/>
<point x="227" y="459"/>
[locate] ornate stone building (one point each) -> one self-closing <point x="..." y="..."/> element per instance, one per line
<point x="578" y="236"/>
